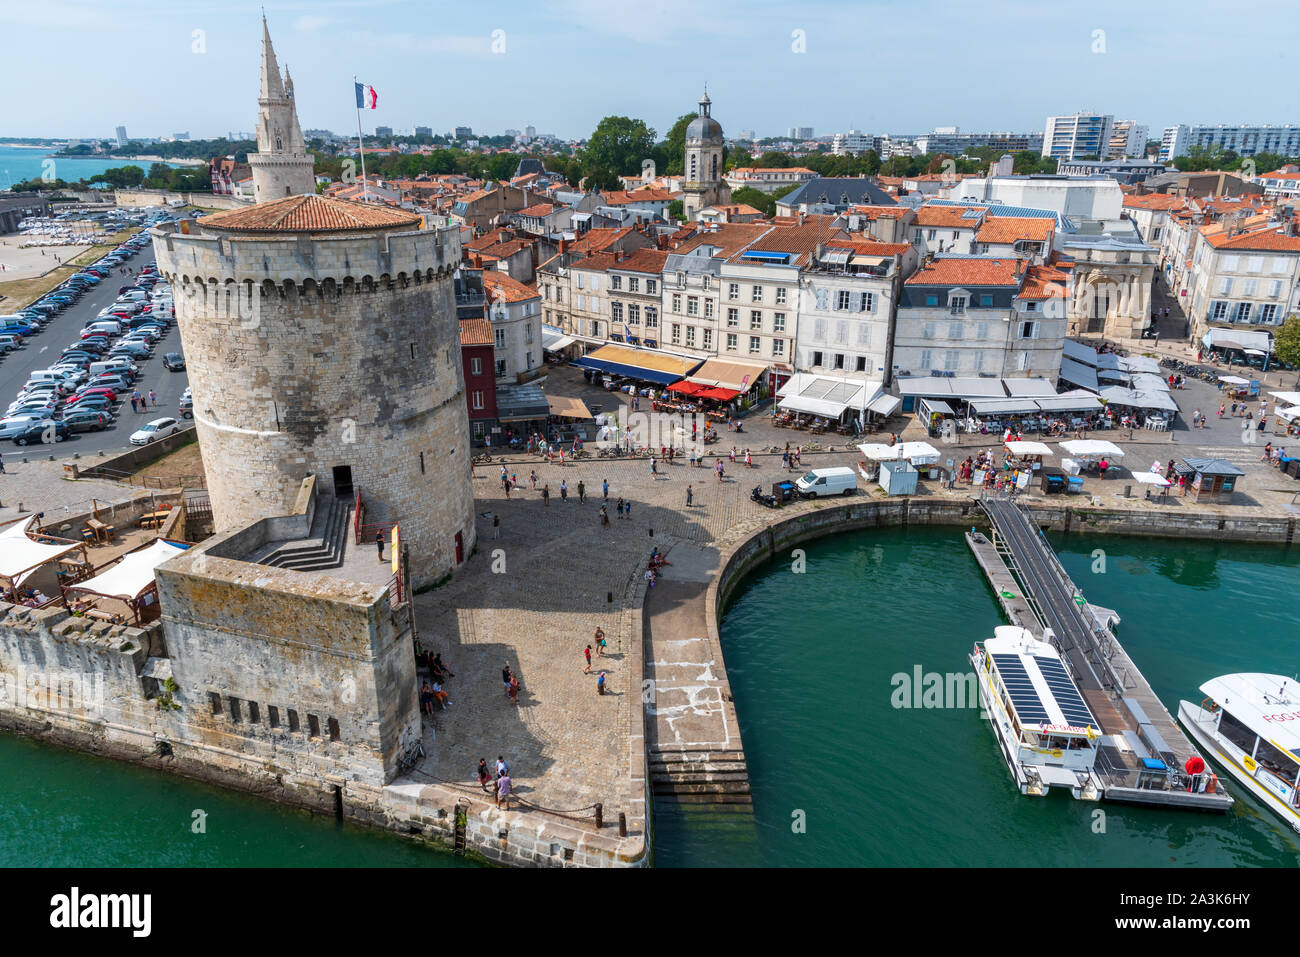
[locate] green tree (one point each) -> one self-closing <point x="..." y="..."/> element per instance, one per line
<point x="618" y="146"/>
<point x="670" y="155"/>
<point x="676" y="210"/>
<point x="602" y="178"/>
<point x="120" y="177"/>
<point x="1286" y="342"/>
<point x="764" y="202"/>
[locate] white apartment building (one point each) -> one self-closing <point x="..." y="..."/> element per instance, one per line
<point x="516" y="315"/>
<point x="1078" y="135"/>
<point x="848" y="295"/>
<point x="852" y="142"/>
<point x="1248" y="278"/>
<point x="1242" y="140"/>
<point x="975" y="316"/>
<point x="1127" y="138"/>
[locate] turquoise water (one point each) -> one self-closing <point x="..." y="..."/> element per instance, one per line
<point x="62" y="808"/>
<point x="811" y="659"/>
<point x="20" y="163"/>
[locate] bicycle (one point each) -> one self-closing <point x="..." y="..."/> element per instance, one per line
<point x="482" y="459"/>
<point x="413" y="756"/>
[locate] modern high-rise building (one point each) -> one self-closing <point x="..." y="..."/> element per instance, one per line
<point x="121" y="136"/>
<point x="1242" y="140"/>
<point x="805" y="133"/>
<point x="530" y="130"/>
<point x="1077" y="136"/>
<point x="1128" y="138"/>
<point x="424" y="131"/>
<point x="383" y="132"/>
<point x="852" y="142"/>
<point x="950" y="140"/>
<point x="464" y="132"/>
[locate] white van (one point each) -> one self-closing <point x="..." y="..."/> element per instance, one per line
<point x="118" y="365"/>
<point x="818" y="483"/>
<point x="105" y="325"/>
<point x="48" y="375"/>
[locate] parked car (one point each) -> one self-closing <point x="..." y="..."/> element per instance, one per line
<point x="157" y="429"/>
<point x="186" y="407"/>
<point x="174" y="362"/>
<point x="50" y="430"/>
<point x="86" y="420"/>
<point x="11" y="425"/>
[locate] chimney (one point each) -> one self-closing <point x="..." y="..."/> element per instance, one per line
<point x="564" y="246"/>
<point x="802" y="217"/>
<point x="618" y="255"/>
<point x="478" y="261"/>
<point x="503" y="236"/>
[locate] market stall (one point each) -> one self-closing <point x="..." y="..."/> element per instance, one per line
<point x="24" y="551"/>
<point x="826" y="403"/>
<point x="922" y="455"/>
<point x="1090" y="455"/>
<point x="1209" y="480"/>
<point x="1026" y="455"/>
<point x="1150" y="480"/>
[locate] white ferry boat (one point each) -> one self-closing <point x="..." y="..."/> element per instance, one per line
<point x="1250" y="724"/>
<point x="1046" y="730"/>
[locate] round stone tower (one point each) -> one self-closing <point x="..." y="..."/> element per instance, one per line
<point x="321" y="338"/>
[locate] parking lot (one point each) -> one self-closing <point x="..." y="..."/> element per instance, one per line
<point x="42" y="349"/>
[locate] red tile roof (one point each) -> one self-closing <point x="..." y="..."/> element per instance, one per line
<point x="949" y="217"/>
<point x="619" y="198"/>
<point x="476" y="332"/>
<point x="498" y="285"/>
<point x="728" y="237"/>
<point x="1268" y="239"/>
<point x="644" y="260"/>
<point x="1044" y="282"/>
<point x="541" y="209"/>
<point x="1010" y="229"/>
<point x="598" y="238"/>
<point x="309" y="214"/>
<point x="868" y="247"/>
<point x="1156" y="201"/>
<point x="966" y="272"/>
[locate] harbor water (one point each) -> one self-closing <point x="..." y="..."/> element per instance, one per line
<point x="18" y="163"/>
<point x="841" y="775"/>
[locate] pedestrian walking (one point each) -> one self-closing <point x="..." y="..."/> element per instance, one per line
<point x="604" y="489"/>
<point x="600" y="684"/>
<point x="587" y="651"/>
<point x="749" y="460"/>
<point x="546" y="495"/>
<point x="484" y="775"/>
<point x="532" y="477"/>
<point x="654" y="468"/>
<point x="503" y="766"/>
<point x="692" y="458"/>
<point x="514" y="479"/>
<point x="503" y="792"/>
<point x="1221" y="408"/>
<point x="604" y="516"/>
<point x="1196" y="417"/>
<point x="689" y="495"/>
<point x="514" y="690"/>
<point x="564" y="490"/>
<point x="135" y="404"/>
<point x="733" y="453"/>
<point x="1234" y="410"/>
<point x="627" y="508"/>
<point x="496" y="525"/>
<point x="618" y="509"/>
<point x="506" y="675"/>
<point x="582" y="491"/>
<point x="379" y="544"/>
<point x="153" y="399"/>
<point x="600" y="642"/>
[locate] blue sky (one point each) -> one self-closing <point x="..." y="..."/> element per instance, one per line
<point x="874" y="65"/>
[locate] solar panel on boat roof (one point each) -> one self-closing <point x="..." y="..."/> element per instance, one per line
<point x="1067" y="696"/>
<point x="1024" y="697"/>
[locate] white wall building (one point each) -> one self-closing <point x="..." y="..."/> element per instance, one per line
<point x="1077" y="135"/>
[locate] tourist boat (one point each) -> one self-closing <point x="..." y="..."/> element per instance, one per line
<point x="1250" y="723"/>
<point x="1046" y="730"/>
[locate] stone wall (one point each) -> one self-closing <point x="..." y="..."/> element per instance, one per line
<point x="163" y="197"/>
<point x="312" y="674"/>
<point x="307" y="354"/>
<point x="134" y="457"/>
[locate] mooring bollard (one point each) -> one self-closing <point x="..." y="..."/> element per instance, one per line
<point x="600" y="816"/>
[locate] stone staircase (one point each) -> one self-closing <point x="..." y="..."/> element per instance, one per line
<point x="326" y="545"/>
<point x="700" y="776"/>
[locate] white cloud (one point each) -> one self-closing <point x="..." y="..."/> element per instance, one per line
<point x="310" y="24"/>
<point x="461" y="45"/>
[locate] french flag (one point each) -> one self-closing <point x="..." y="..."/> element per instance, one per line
<point x="367" y="97"/>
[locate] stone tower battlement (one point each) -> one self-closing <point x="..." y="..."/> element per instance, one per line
<point x="312" y="262"/>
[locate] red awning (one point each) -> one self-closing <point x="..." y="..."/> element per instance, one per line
<point x="725" y="395"/>
<point x="686" y="388"/>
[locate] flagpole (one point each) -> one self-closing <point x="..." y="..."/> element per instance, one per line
<point x="361" y="145"/>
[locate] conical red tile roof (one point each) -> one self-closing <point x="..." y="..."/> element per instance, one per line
<point x="309" y="214"/>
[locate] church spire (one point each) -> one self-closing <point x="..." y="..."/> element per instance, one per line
<point x="272" y="88"/>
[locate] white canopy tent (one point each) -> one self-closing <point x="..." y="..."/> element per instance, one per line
<point x="1234" y="380"/>
<point x="1151" y="478"/>
<point x="1136" y="399"/>
<point x="1237" y="339"/>
<point x="21" y="556"/>
<point x="1092" y="449"/>
<point x="1290" y="414"/>
<point x="1289" y="398"/>
<point x="1076" y="373"/>
<point x="1028" y="448"/>
<point x="918" y="453"/>
<point x="133" y="575"/>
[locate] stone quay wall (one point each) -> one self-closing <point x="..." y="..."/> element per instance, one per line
<point x="307" y="354"/>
